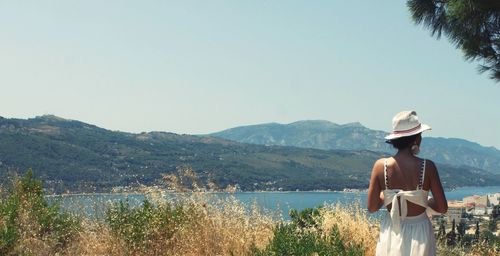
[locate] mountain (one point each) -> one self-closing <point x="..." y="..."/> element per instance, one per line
<point x="326" y="135"/>
<point x="309" y="134"/>
<point x="78" y="157"/>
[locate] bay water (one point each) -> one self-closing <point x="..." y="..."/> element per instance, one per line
<point x="279" y="203"/>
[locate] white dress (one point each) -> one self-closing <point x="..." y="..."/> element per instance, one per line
<point x="401" y="234"/>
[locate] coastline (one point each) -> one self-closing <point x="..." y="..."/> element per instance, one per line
<point x="345" y="190"/>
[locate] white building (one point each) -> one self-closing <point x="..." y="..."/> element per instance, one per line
<point x="481" y="205"/>
<point x="494" y="199"/>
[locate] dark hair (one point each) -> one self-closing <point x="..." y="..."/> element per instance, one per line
<point x="403" y="142"/>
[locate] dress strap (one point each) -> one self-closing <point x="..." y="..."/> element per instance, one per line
<point x="421" y="176"/>
<point x="386" y="179"/>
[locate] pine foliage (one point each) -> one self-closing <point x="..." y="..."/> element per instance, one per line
<point x="471" y="25"/>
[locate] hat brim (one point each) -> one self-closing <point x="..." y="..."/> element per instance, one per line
<point x="392" y="136"/>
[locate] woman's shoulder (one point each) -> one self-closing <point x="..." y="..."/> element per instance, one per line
<point x="429" y="163"/>
<point x="430" y="168"/>
<point x="382" y="161"/>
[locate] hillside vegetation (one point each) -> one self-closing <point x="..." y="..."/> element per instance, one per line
<point x="78" y="157"/>
<point x="354" y="136"/>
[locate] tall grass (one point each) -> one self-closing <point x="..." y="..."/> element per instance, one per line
<point x="193" y="224"/>
<point x="480" y="248"/>
<point x="188" y="227"/>
<point x="353" y="224"/>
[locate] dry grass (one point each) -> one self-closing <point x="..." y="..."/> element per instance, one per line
<point x="481" y="250"/>
<point x="354" y="226"/>
<point x="476" y="250"/>
<point x="227" y="227"/>
<point x="196" y="223"/>
<point x="31" y="239"/>
<point x="223" y="227"/>
<point x="95" y="239"/>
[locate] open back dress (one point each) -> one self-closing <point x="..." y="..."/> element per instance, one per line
<point x="401" y="234"/>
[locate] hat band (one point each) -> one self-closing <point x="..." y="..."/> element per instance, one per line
<point x="409" y="130"/>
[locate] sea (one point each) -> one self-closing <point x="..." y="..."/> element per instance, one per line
<point x="276" y="203"/>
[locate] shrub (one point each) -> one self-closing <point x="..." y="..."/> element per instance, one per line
<point x="145" y="228"/>
<point x="29" y="224"/>
<point x="306" y="218"/>
<point x="303" y="236"/>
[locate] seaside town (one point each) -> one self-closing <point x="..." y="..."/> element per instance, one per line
<point x="469" y="219"/>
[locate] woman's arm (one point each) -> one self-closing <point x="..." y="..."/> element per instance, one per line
<point x="438" y="203"/>
<point x="375" y="198"/>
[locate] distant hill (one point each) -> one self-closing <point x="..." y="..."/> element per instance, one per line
<point x="354" y="136"/>
<point x="309" y="134"/>
<point x="79" y="157"/>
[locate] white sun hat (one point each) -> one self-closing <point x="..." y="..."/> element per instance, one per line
<point x="405" y="124"/>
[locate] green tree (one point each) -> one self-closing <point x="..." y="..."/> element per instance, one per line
<point x="461" y="231"/>
<point x="496" y="211"/>
<point x="442" y="230"/>
<point x="451" y="237"/>
<point x="471" y="25"/>
<point x="492" y="225"/>
<point x="476" y="234"/>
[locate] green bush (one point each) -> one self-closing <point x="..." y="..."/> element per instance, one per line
<point x="307" y="218"/>
<point x="8" y="229"/>
<point x="490" y="239"/>
<point x="492" y="224"/>
<point x="24" y="211"/>
<point x="302" y="237"/>
<point x="143" y="227"/>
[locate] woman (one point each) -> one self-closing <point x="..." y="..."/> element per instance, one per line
<point x="401" y="183"/>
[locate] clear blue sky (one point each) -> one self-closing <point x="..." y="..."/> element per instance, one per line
<point x="202" y="66"/>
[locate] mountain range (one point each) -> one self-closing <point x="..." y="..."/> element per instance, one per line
<point x="326" y="135"/>
<point x="72" y="156"/>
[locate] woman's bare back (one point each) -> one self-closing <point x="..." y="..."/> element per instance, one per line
<point x="404" y="173"/>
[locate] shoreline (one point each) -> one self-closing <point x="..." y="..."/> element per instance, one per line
<point x="346" y="190"/>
